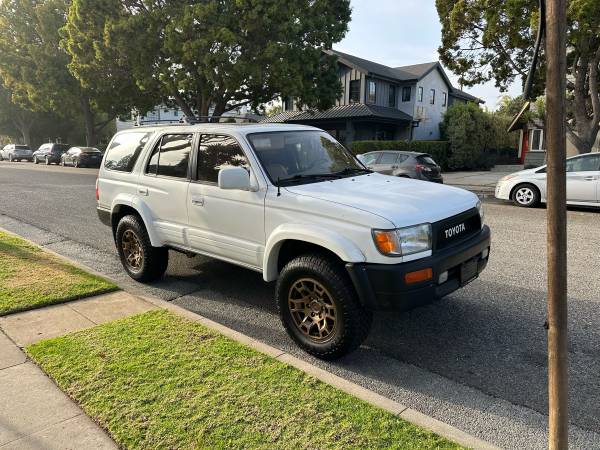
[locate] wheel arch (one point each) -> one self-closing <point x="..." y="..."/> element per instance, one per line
<point x="122" y="209"/>
<point x="288" y="241"/>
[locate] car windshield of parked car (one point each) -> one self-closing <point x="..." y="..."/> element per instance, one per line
<point x="22" y="147"/>
<point x="303" y="156"/>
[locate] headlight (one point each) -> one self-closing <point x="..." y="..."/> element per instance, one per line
<point x="481" y="212"/>
<point x="403" y="241"/>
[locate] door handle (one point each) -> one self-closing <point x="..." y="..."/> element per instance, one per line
<point x="143" y="191"/>
<point x="198" y="201"/>
<point x="590" y="178"/>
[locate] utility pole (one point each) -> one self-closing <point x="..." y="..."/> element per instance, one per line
<point x="558" y="391"/>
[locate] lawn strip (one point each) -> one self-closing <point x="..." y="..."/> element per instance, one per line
<point x="31" y="278"/>
<point x="160" y="381"/>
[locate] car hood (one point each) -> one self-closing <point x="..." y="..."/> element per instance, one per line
<point x="402" y="201"/>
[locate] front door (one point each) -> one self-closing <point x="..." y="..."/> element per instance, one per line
<point x="229" y="224"/>
<point x="387" y="163"/>
<point x="583" y="178"/>
<point x="164" y="184"/>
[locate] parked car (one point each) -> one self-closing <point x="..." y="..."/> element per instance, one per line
<point x="527" y="188"/>
<point x="50" y="153"/>
<point x="419" y="166"/>
<point x="81" y="157"/>
<point x="16" y="152"/>
<point x="290" y="202"/>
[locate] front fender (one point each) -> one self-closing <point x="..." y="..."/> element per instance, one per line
<point x="345" y="249"/>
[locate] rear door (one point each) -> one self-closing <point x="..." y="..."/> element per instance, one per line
<point x="583" y="178"/>
<point x="387" y="163"/>
<point x="163" y="185"/>
<point x="430" y="168"/>
<point x="229" y="224"/>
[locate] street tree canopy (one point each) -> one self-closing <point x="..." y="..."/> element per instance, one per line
<point x="214" y="56"/>
<point x="485" y="40"/>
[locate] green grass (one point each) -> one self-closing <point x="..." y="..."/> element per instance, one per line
<point x="31" y="278"/>
<point x="159" y="381"/>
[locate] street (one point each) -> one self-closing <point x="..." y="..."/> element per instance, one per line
<point x="475" y="360"/>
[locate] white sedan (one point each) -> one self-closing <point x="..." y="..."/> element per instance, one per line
<point x="528" y="187"/>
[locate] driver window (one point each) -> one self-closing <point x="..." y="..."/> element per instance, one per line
<point x="215" y="152"/>
<point x="584" y="164"/>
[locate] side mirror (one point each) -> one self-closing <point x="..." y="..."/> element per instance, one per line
<point x="234" y="178"/>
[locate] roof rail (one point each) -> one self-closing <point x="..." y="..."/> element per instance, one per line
<point x="193" y="121"/>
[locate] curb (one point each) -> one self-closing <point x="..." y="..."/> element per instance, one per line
<point x="410" y="415"/>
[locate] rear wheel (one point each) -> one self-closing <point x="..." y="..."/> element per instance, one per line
<point x="141" y="260"/>
<point x="75" y="163"/>
<point x="526" y="196"/>
<point x="10" y="158"/>
<point x="47" y="161"/>
<point x="319" y="307"/>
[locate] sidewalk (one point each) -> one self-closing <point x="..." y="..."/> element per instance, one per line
<point x="481" y="183"/>
<point x="34" y="412"/>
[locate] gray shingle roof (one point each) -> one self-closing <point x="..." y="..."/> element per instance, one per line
<point x="373" y="67"/>
<point x="419" y="70"/>
<point x="462" y="94"/>
<point x="357" y="110"/>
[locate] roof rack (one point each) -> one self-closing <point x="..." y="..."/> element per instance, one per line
<point x="196" y="120"/>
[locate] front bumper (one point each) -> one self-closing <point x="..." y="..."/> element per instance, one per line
<point x="382" y="286"/>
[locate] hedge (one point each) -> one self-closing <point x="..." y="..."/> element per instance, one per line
<point x="439" y="150"/>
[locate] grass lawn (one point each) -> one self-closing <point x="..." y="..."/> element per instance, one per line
<point x="31" y="278"/>
<point x="159" y="381"/>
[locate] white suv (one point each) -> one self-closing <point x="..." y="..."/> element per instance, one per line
<point x="292" y="203"/>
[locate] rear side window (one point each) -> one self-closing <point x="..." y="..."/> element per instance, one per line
<point x="370" y="158"/>
<point x="171" y="156"/>
<point x="124" y="151"/>
<point x="217" y="151"/>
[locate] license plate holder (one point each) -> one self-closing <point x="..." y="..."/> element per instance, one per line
<point x="468" y="271"/>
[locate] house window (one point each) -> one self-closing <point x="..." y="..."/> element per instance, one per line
<point x="355" y="91"/>
<point x="406" y="91"/>
<point x="444" y="98"/>
<point x="432" y="96"/>
<point x="420" y="94"/>
<point x="392" y="99"/>
<point x="288" y="104"/>
<point x="372" y="92"/>
<point x="536" y="137"/>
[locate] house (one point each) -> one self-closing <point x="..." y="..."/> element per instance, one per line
<point x="382" y="103"/>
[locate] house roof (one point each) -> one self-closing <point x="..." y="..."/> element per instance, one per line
<point x="419" y="70"/>
<point x="462" y="94"/>
<point x="356" y="110"/>
<point x="372" y="67"/>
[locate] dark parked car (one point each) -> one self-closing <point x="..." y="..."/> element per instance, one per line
<point x="49" y="153"/>
<point x="419" y="166"/>
<point x="16" y="152"/>
<point x="81" y="157"/>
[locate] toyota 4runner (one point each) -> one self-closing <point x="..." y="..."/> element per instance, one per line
<point x="291" y="203"/>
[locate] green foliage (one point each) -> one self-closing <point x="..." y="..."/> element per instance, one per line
<point x="485" y="40"/>
<point x="439" y="150"/>
<point x="475" y="136"/>
<point x="156" y="380"/>
<point x="220" y="54"/>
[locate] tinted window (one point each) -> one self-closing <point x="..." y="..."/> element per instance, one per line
<point x="355" y="91"/>
<point x="388" y="158"/>
<point x="584" y="164"/>
<point x="60" y="148"/>
<point x="427" y="160"/>
<point x="22" y="147"/>
<point x="216" y="151"/>
<point x="170" y="157"/>
<point x="124" y="151"/>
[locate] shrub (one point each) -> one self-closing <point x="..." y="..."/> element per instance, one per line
<point x="439" y="150"/>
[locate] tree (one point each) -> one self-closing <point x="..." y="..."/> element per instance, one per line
<point x="215" y="56"/>
<point x="34" y="65"/>
<point x="485" y="40"/>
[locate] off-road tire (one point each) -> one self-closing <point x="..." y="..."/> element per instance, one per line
<point x="353" y="321"/>
<point x="154" y="261"/>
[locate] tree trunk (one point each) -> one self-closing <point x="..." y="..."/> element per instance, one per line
<point x="24" y="125"/>
<point x="91" y="138"/>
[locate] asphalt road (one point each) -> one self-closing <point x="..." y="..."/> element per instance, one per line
<point x="476" y="359"/>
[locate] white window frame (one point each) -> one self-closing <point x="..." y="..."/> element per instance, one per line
<point x="531" y="132"/>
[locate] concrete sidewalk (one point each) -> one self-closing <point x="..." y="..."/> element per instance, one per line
<point x="481" y="183"/>
<point x="34" y="412"/>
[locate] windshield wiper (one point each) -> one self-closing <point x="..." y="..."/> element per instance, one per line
<point x="311" y="176"/>
<point x="351" y="170"/>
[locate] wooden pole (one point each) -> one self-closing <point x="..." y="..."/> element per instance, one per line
<point x="558" y="417"/>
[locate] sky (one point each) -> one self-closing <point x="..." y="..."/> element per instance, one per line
<point x="403" y="32"/>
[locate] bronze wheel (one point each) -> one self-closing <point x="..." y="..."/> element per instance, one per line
<point x="132" y="250"/>
<point x="313" y="309"/>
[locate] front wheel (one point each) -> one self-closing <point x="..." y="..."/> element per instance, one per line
<point x="141" y="260"/>
<point x="35" y="160"/>
<point x="526" y="195"/>
<point x="319" y="307"/>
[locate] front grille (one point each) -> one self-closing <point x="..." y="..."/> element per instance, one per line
<point x="456" y="229"/>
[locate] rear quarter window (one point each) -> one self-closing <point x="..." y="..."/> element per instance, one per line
<point x="124" y="151"/>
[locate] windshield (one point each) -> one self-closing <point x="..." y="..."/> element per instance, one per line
<point x="303" y="156"/>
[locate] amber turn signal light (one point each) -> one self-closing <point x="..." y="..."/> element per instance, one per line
<point x="419" y="276"/>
